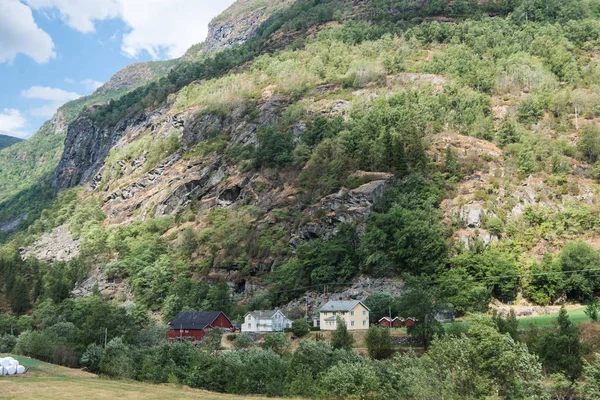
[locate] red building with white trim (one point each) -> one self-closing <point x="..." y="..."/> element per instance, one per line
<point x="193" y="325"/>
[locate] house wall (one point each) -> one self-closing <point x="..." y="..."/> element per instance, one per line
<point x="190" y="334"/>
<point x="275" y="324"/>
<point x="222" y="322"/>
<point x="356" y="319"/>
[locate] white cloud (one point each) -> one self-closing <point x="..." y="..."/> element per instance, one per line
<point x="159" y="27"/>
<point x="52" y="97"/>
<point x="91" y="85"/>
<point x="81" y="14"/>
<point x="20" y="34"/>
<point x="69" y="80"/>
<point x="12" y="123"/>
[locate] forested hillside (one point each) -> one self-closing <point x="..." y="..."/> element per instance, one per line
<point x="7" y="141"/>
<point x="453" y="146"/>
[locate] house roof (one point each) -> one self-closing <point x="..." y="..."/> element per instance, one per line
<point x="266" y="314"/>
<point x="342" y="305"/>
<point x="195" y="319"/>
<point x="386" y="319"/>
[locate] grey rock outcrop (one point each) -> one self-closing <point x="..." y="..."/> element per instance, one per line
<point x="57" y="245"/>
<point x="344" y="206"/>
<point x="86" y="148"/>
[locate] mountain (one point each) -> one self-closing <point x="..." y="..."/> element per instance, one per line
<point x="7" y="141"/>
<point x="312" y="143"/>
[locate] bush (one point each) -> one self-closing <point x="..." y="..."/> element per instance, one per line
<point x="231" y="337"/>
<point x="379" y="343"/>
<point x="7" y="343"/>
<point x="243" y="341"/>
<point x="277" y="342"/>
<point x="91" y="357"/>
<point x="300" y="327"/>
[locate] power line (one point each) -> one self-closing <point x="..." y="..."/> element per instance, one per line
<point x="470" y="279"/>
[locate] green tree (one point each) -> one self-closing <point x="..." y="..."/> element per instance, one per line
<point x="561" y="350"/>
<point x="381" y="304"/>
<point x="300" y="327"/>
<point x="212" y="340"/>
<point x="589" y="144"/>
<point x="592" y="310"/>
<point x="243" y="341"/>
<point x="278" y="342"/>
<point x="379" y="343"/>
<point x="590" y="385"/>
<point x="422" y="301"/>
<point x="341" y="338"/>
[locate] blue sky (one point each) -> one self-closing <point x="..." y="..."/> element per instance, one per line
<point x="52" y="51"/>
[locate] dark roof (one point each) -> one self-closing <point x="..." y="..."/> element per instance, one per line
<point x="194" y="319"/>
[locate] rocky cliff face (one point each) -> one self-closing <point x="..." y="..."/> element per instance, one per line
<point x="240" y="22"/>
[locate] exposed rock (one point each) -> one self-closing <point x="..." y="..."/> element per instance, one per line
<point x="239" y="23"/>
<point x="57" y="245"/>
<point x="271" y="111"/>
<point x="471" y="215"/>
<point x="86" y="148"/>
<point x="14" y="223"/>
<point x="201" y="128"/>
<point x="345" y="206"/>
<point x="362" y="288"/>
<point x="96" y="281"/>
<point x="207" y="178"/>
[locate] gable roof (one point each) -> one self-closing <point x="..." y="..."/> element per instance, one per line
<point x="195" y="319"/>
<point x="342" y="305"/>
<point x="266" y="314"/>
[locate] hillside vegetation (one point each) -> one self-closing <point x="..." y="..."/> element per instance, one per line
<point x="452" y="146"/>
<point x="7" y="141"/>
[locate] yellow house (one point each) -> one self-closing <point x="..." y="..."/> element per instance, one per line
<point x="353" y="312"/>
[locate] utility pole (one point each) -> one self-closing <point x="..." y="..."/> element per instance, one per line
<point x="105" y="336"/>
<point x="11" y="330"/>
<point x="390" y="313"/>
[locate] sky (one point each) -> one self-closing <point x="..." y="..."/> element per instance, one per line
<point x="54" y="51"/>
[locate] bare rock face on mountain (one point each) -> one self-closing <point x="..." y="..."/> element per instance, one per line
<point x="86" y="148"/>
<point x="240" y="22"/>
<point x="346" y="206"/>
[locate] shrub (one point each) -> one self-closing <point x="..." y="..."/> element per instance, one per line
<point x="243" y="341"/>
<point x="379" y="343"/>
<point x="300" y="327"/>
<point x="7" y="343"/>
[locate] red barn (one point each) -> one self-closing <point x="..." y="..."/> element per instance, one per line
<point x="192" y="325"/>
<point x="385" y="321"/>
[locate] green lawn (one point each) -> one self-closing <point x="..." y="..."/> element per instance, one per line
<point x="577" y="316"/>
<point x="48" y="382"/>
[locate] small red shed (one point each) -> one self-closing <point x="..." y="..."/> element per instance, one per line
<point x="192" y="325"/>
<point x="385" y="321"/>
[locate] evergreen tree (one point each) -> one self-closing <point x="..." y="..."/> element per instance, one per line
<point x="379" y="343"/>
<point x="341" y="338"/>
<point x="561" y="350"/>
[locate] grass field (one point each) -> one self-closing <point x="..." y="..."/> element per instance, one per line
<point x="577" y="316"/>
<point x="47" y="381"/>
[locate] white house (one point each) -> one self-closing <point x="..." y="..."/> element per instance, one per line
<point x="266" y="321"/>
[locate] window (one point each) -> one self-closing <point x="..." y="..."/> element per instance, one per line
<point x="325" y="313"/>
<point x="364" y="312"/>
<point x="352" y="313"/>
<point x="364" y="322"/>
<point x="343" y="313"/>
<point x="351" y="323"/>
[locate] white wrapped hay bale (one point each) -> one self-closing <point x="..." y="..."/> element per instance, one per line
<point x="20" y="369"/>
<point x="1" y="370"/>
<point x="6" y="362"/>
<point x="11" y="370"/>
